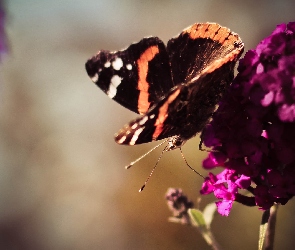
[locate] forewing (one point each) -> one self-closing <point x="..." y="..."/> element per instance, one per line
<point x="136" y="77"/>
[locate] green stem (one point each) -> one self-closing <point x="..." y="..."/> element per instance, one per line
<point x="209" y="238"/>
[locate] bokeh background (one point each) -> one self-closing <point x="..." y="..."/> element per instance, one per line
<point x="62" y="179"/>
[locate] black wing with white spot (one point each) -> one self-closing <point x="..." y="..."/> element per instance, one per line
<point x="136" y="77"/>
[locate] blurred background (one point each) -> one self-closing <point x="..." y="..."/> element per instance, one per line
<point x="62" y="179"/>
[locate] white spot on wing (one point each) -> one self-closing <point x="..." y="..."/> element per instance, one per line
<point x="135" y="136"/>
<point x="129" y="66"/>
<point x="115" y="82"/>
<point x="107" y="64"/>
<point x="94" y="78"/>
<point x="143" y="120"/>
<point x="152" y="116"/>
<point x="134" y="126"/>
<point x="117" y="64"/>
<point x="122" y="139"/>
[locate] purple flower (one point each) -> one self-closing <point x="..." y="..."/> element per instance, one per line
<point x="252" y="134"/>
<point x="225" y="187"/>
<point x="178" y="204"/>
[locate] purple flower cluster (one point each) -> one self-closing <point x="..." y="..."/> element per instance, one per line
<point x="252" y="134"/>
<point x="178" y="203"/>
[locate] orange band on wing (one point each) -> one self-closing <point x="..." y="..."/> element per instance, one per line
<point x="163" y="114"/>
<point x="143" y="85"/>
<point x="214" y="31"/>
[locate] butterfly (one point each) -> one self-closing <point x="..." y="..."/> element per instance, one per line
<point x="174" y="88"/>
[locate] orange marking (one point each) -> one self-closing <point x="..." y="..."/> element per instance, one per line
<point x="143" y="86"/>
<point x="203" y="30"/>
<point x="213" y="31"/>
<point x="222" y="35"/>
<point x="163" y="114"/>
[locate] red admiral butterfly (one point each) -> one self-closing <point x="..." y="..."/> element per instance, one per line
<point x="175" y="88"/>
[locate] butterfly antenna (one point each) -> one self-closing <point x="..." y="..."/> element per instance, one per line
<point x="138" y="159"/>
<point x="147" y="179"/>
<point x="189" y="165"/>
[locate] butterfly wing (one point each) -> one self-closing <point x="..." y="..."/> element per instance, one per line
<point x="202" y="46"/>
<point x="149" y="126"/>
<point x="202" y="58"/>
<point x="183" y="112"/>
<point x="136" y="77"/>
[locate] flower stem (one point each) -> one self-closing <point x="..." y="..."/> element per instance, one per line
<point x="270" y="232"/>
<point x="209" y="238"/>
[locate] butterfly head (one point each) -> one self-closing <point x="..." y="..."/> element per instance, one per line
<point x="175" y="142"/>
